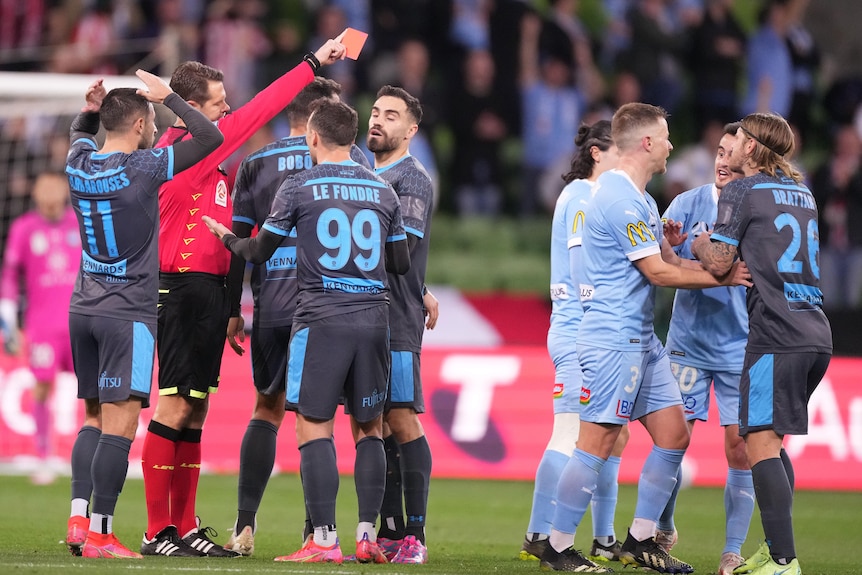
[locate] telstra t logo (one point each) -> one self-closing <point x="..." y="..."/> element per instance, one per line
<point x="466" y="414"/>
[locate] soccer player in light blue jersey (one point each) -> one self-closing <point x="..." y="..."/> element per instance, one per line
<point x="769" y="218"/>
<point x="595" y="155"/>
<point x="697" y="361"/>
<point x="626" y="372"/>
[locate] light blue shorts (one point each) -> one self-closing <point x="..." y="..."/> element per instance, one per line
<point x="620" y="386"/>
<point x="568" y="379"/>
<point x="694" y="383"/>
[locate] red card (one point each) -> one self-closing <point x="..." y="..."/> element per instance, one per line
<point x="353" y="41"/>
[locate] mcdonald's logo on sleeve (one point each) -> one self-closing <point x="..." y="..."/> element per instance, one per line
<point x="641" y="230"/>
<point x="578" y="223"/>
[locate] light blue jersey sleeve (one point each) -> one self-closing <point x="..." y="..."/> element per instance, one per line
<point x="622" y="226"/>
<point x="566" y="233"/>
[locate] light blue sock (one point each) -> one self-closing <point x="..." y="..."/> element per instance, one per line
<point x="575" y="490"/>
<point x="738" y="508"/>
<point x="604" y="503"/>
<point x="656" y="483"/>
<point x="547" y="475"/>
<point x="665" y="522"/>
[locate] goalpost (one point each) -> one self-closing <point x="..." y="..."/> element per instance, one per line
<point x="36" y="112"/>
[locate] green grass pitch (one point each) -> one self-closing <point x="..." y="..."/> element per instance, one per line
<point x="474" y="527"/>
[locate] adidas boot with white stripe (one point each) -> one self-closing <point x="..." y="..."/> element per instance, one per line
<point x="167" y="542"/>
<point x="199" y="540"/>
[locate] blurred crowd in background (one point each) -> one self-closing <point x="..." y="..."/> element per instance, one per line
<point x="504" y="85"/>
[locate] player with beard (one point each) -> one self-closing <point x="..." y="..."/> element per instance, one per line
<point x="395" y="118"/>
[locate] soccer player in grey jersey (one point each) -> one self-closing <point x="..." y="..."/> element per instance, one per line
<point x="769" y="219"/>
<point x="345" y="218"/>
<point x="274" y="290"/>
<point x="394" y="120"/>
<point x="112" y="315"/>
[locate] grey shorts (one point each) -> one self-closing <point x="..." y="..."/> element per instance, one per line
<point x="113" y="358"/>
<point x="345" y="355"/>
<point x="774" y="390"/>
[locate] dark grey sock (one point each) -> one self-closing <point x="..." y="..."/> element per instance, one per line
<point x="788" y="469"/>
<point x="110" y="464"/>
<point x="82" y="461"/>
<point x="775" y="499"/>
<point x="256" y="459"/>
<point x="369" y="473"/>
<point x="319" y="480"/>
<point x="416" y="475"/>
<point x="392" y="510"/>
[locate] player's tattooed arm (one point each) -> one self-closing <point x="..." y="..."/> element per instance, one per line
<point x="717" y="257"/>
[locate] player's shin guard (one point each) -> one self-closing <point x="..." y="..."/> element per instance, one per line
<point x="157" y="460"/>
<point x="657" y="481"/>
<point x="82" y="462"/>
<point x="110" y="464"/>
<point x="575" y="490"/>
<point x="416" y="475"/>
<point x="256" y="460"/>
<point x="187" y="472"/>
<point x="738" y="507"/>
<point x="542" y="513"/>
<point x="775" y="500"/>
<point x="604" y="503"/>
<point x="319" y="472"/>
<point x="665" y="520"/>
<point x="788" y="468"/>
<point x="392" y="510"/>
<point x="369" y="472"/>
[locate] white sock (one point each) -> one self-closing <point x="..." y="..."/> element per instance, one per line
<point x="364" y="528"/>
<point x="561" y="541"/>
<point x="606" y="540"/>
<point x="325" y="536"/>
<point x="80" y="507"/>
<point x="642" y="529"/>
<point x="103" y="524"/>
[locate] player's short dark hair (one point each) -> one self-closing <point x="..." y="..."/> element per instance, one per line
<point x="631" y="118"/>
<point x="599" y="135"/>
<point x="732" y="128"/>
<point x="335" y="122"/>
<point x="121" y="107"/>
<point x="301" y="107"/>
<point x="191" y="81"/>
<point x="414" y="108"/>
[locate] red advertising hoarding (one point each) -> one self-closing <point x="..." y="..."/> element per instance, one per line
<point x="489" y="415"/>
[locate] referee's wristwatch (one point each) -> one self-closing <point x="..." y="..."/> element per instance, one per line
<point x="312" y="61"/>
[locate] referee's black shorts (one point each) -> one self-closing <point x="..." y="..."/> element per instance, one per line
<point x="193" y="317"/>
